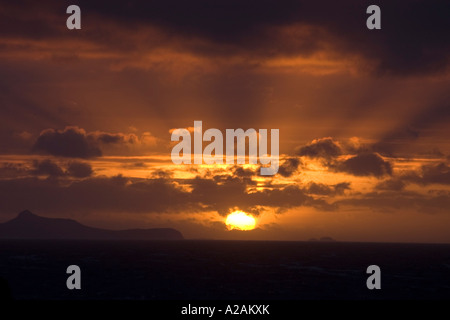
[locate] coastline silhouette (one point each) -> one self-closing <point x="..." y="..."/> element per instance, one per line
<point x="28" y="225"/>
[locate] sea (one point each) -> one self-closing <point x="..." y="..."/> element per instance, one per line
<point x="202" y="270"/>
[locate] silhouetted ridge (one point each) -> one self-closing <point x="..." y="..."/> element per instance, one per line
<point x="26" y="214"/>
<point x="28" y="225"/>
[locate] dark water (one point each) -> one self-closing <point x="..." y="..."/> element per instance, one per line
<point x="174" y="270"/>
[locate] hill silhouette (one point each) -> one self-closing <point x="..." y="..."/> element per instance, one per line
<point x="28" y="225"/>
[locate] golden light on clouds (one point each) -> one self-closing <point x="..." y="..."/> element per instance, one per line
<point x="363" y="121"/>
<point x="240" y="220"/>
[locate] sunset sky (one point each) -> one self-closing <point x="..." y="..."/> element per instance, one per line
<point x="86" y="116"/>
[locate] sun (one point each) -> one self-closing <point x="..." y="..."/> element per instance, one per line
<point x="240" y="220"/>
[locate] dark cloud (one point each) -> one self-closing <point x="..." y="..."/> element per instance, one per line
<point x="71" y="142"/>
<point x="325" y="190"/>
<point x="109" y="138"/>
<point x="439" y="173"/>
<point x="288" y="167"/>
<point x="368" y="164"/>
<point x="407" y="43"/>
<point x="136" y="165"/>
<point x="75" y="142"/>
<point x="401" y="200"/>
<point x="114" y="138"/>
<point x="119" y="194"/>
<point x="325" y="148"/>
<point x="340" y="188"/>
<point x="223" y="193"/>
<point x="95" y="195"/>
<point x="393" y="142"/>
<point x="428" y="174"/>
<point x="13" y="170"/>
<point x="47" y="168"/>
<point x="79" y="169"/>
<point x="319" y="188"/>
<point x="243" y="173"/>
<point x="391" y="184"/>
<point x="287" y="197"/>
<point x="220" y="193"/>
<point x="162" y="174"/>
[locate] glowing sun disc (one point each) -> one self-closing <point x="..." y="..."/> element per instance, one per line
<point x="240" y="220"/>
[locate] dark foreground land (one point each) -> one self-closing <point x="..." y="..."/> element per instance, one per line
<point x="189" y="270"/>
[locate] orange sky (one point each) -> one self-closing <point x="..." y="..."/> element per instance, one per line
<point x="363" y="117"/>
